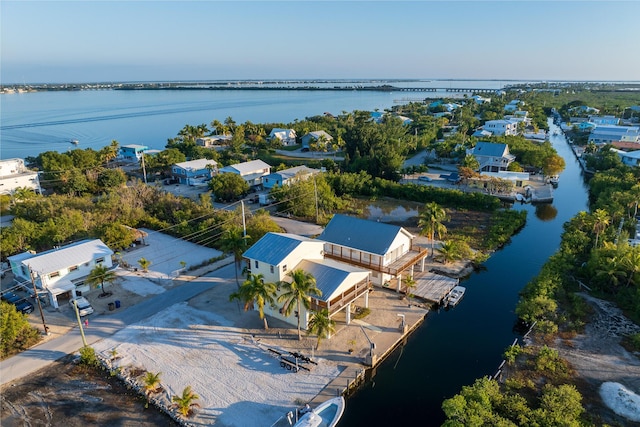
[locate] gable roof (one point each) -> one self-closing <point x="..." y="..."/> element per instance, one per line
<point x="67" y="256"/>
<point x="490" y="149"/>
<point x="273" y="248"/>
<point x="317" y="134"/>
<point x="368" y="236"/>
<point x="291" y="172"/>
<point x="246" y="167"/>
<point x="195" y="165"/>
<point x="329" y="274"/>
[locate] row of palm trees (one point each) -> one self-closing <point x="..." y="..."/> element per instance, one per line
<point x="256" y="292"/>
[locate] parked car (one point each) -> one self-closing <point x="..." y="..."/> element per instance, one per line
<point x="22" y="305"/>
<point x="425" y="178"/>
<point x="84" y="307"/>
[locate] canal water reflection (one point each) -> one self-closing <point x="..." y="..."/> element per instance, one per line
<point x="454" y="347"/>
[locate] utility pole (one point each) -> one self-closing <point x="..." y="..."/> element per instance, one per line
<point x="144" y="171"/>
<point x="75" y="306"/>
<point x="315" y="192"/>
<point x="35" y="293"/>
<point x="244" y="225"/>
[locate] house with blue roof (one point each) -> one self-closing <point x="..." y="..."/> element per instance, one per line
<point x="194" y="172"/>
<point x="386" y="249"/>
<point x="276" y="255"/>
<point x="492" y="157"/>
<point x="288" y="176"/>
<point x="132" y="152"/>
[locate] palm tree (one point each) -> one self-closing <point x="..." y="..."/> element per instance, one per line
<point x="631" y="262"/>
<point x="601" y="222"/>
<point x="151" y="383"/>
<point x="98" y="276"/>
<point x="430" y="222"/>
<point x="144" y="264"/>
<point x="300" y="290"/>
<point x="255" y="291"/>
<point x="449" y="251"/>
<point x="409" y="284"/>
<point x="233" y="241"/>
<point x="321" y="325"/>
<point x="185" y="402"/>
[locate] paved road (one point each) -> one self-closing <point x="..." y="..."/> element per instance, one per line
<point x="101" y="327"/>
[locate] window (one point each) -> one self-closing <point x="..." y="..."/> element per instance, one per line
<point x="284" y="268"/>
<point x="271" y="268"/>
<point x="73" y="268"/>
<point x="99" y="260"/>
<point x="54" y="274"/>
<point x="256" y="263"/>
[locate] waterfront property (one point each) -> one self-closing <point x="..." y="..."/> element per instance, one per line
<point x="288" y="176"/>
<point x="194" y="171"/>
<point x="601" y="135"/>
<point x="252" y="172"/>
<point x="319" y="137"/>
<point x="133" y="152"/>
<point x="217" y="142"/>
<point x="286" y="136"/>
<point x="276" y="255"/>
<point x="501" y="127"/>
<point x="387" y="250"/>
<point x="14" y="174"/>
<point x="492" y="157"/>
<point x="631" y="158"/>
<point x="61" y="271"/>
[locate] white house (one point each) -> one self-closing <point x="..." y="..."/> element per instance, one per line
<point x="288" y="176"/>
<point x="276" y="255"/>
<point x="480" y="99"/>
<point x="286" y="136"/>
<point x="14" y="174"/>
<point x="319" y="136"/>
<point x="386" y="249"/>
<point x="501" y="127"/>
<point x="194" y="171"/>
<point x="607" y="134"/>
<point x="61" y="271"/>
<point x="492" y="157"/>
<point x="252" y="172"/>
<point x="604" y="120"/>
<point x="218" y="142"/>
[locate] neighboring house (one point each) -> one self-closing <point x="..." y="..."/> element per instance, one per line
<point x="14" y="174"/>
<point x="276" y="255"/>
<point x="501" y="127"/>
<point x="133" y="152"/>
<point x="287" y="176"/>
<point x="252" y="172"/>
<point x="481" y="133"/>
<point x="217" y="142"/>
<point x="194" y="171"/>
<point x="601" y="135"/>
<point x="513" y="105"/>
<point x="492" y="157"/>
<point x="286" y="136"/>
<point x="317" y="136"/>
<point x="604" y="120"/>
<point x="631" y="158"/>
<point x="584" y="109"/>
<point x="61" y="271"/>
<point x="405" y="120"/>
<point x="626" y="146"/>
<point x="584" y="126"/>
<point x="480" y="100"/>
<point x="386" y="249"/>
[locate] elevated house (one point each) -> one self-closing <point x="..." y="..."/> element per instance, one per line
<point x="286" y="136"/>
<point x="61" y="271"/>
<point x="630" y="158"/>
<point x="217" y="142"/>
<point x="14" y="174"/>
<point x="194" y="172"/>
<point x="132" y="152"/>
<point x="501" y="127"/>
<point x="276" y="255"/>
<point x="288" y="176"/>
<point x="492" y="157"/>
<point x="602" y="135"/>
<point x="318" y="137"/>
<point x="387" y="250"/>
<point x="252" y="172"/>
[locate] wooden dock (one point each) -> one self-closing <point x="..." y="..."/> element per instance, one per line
<point x="433" y="287"/>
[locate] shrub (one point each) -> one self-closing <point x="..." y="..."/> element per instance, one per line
<point x="88" y="357"/>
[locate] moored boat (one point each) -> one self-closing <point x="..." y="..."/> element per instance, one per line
<point x="455" y="296"/>
<point x="326" y="414"/>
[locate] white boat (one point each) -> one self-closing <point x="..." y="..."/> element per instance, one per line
<point x="326" y="414"/>
<point x="455" y="296"/>
<point x="74" y="142"/>
<point x="553" y="180"/>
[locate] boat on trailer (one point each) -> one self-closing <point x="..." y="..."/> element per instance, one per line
<point x="455" y="296"/>
<point x="327" y="414"/>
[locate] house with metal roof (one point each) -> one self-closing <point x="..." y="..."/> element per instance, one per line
<point x="276" y="255"/>
<point x="61" y="271"/>
<point x="601" y="135"/>
<point x="14" y="174"/>
<point x="492" y="157"/>
<point x="252" y="172"/>
<point x="288" y="176"/>
<point x="319" y="136"/>
<point x="386" y="249"/>
<point x="501" y="127"/>
<point x="194" y="171"/>
<point x="217" y="142"/>
<point x="630" y="158"/>
<point x="133" y="152"/>
<point x="286" y="136"/>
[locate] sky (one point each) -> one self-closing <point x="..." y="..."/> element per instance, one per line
<point x="103" y="41"/>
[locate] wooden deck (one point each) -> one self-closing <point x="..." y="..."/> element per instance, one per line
<point x="433" y="287"/>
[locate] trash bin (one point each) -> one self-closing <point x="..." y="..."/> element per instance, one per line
<point x="112" y="306"/>
<point x="117" y="303"/>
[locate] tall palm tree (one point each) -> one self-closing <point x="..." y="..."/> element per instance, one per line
<point x="600" y="224"/>
<point x="98" y="276"/>
<point x="185" y="402"/>
<point x="430" y="222"/>
<point x="151" y="382"/>
<point x="299" y="291"/>
<point x="631" y="262"/>
<point x="321" y="325"/>
<point x="254" y="291"/>
<point x="233" y="241"/>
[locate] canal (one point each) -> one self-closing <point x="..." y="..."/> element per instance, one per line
<point x="454" y="347"/>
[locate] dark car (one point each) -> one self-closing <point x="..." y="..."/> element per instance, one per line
<point x="22" y="305"/>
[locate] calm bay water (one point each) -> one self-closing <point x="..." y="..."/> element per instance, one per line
<point x="31" y="123"/>
<point x="452" y="348"/>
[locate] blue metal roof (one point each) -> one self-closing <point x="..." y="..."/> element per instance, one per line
<point x="272" y="248"/>
<point x="329" y="275"/>
<point x="489" y="149"/>
<point x="368" y="236"/>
